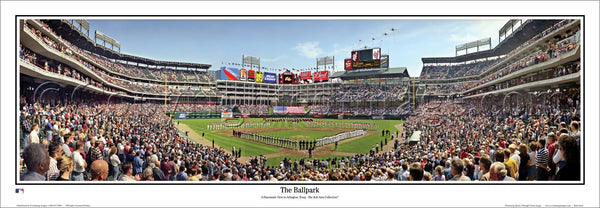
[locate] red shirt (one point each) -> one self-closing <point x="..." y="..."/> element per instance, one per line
<point x="551" y="149"/>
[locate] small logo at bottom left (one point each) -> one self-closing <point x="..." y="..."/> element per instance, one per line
<point x="19" y="190"/>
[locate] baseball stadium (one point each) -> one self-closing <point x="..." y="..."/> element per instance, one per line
<point x="511" y="112"/>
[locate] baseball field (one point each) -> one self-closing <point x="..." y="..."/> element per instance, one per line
<point x="198" y="131"/>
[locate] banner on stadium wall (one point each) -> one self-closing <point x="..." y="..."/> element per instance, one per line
<point x="259" y="76"/>
<point x="226" y="115"/>
<point x="230" y="73"/>
<point x="270" y="78"/>
<point x="243" y="75"/>
<point x="251" y="75"/>
<point x="354" y="56"/>
<point x="347" y="64"/>
<point x="305" y="75"/>
<point x="321" y="76"/>
<point x="182" y="116"/>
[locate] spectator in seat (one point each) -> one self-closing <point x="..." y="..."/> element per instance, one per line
<point x="33" y="136"/>
<point x="37" y="161"/>
<point x="415" y="172"/>
<point x="484" y="165"/>
<point x="511" y="164"/>
<point x="128" y="173"/>
<point x="65" y="167"/>
<point x="55" y="151"/>
<point x="498" y="172"/>
<point x="79" y="163"/>
<point x="570" y="152"/>
<point x="457" y="167"/>
<point x="99" y="170"/>
<point x="147" y="174"/>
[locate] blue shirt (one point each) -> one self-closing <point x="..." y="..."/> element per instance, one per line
<point x="181" y="176"/>
<point x="137" y="165"/>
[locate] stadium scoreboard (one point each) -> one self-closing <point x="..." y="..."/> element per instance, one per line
<point x="363" y="59"/>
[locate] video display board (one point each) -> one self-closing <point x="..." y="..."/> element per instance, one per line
<point x="367" y="58"/>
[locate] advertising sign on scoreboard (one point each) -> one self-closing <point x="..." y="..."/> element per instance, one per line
<point x="321" y="76"/>
<point x="243" y="75"/>
<point x="259" y="76"/>
<point x="376" y="53"/>
<point x="305" y="75"/>
<point x="270" y="78"/>
<point x="229" y="73"/>
<point x="354" y="56"/>
<point x="251" y="75"/>
<point x="288" y="78"/>
<point x="347" y="64"/>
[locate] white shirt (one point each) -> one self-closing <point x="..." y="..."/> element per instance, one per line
<point x="557" y="157"/>
<point x="78" y="162"/>
<point x="86" y="146"/>
<point x="114" y="160"/>
<point x="33" y="137"/>
<point x="532" y="158"/>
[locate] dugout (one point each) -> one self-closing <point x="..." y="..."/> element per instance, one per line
<point x="414" y="138"/>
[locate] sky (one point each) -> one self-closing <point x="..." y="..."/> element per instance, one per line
<point x="294" y="43"/>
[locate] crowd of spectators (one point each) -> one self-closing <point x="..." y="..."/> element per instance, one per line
<point x="551" y="50"/>
<point x="59" y="68"/>
<point x="379" y="109"/>
<point x="130" y="70"/>
<point x="489" y="139"/>
<point x="478" y="140"/>
<point x="158" y="75"/>
<point x="462" y="70"/>
<point x="63" y="69"/>
<point x="370" y="92"/>
<point x="499" y="133"/>
<point x="457" y="70"/>
<point x="445" y="88"/>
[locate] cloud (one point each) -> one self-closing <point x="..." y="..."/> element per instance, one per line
<point x="309" y="49"/>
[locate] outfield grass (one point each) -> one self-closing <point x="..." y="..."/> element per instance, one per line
<point x="365" y="144"/>
<point x="362" y="145"/>
<point x="248" y="148"/>
<point x="288" y="134"/>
